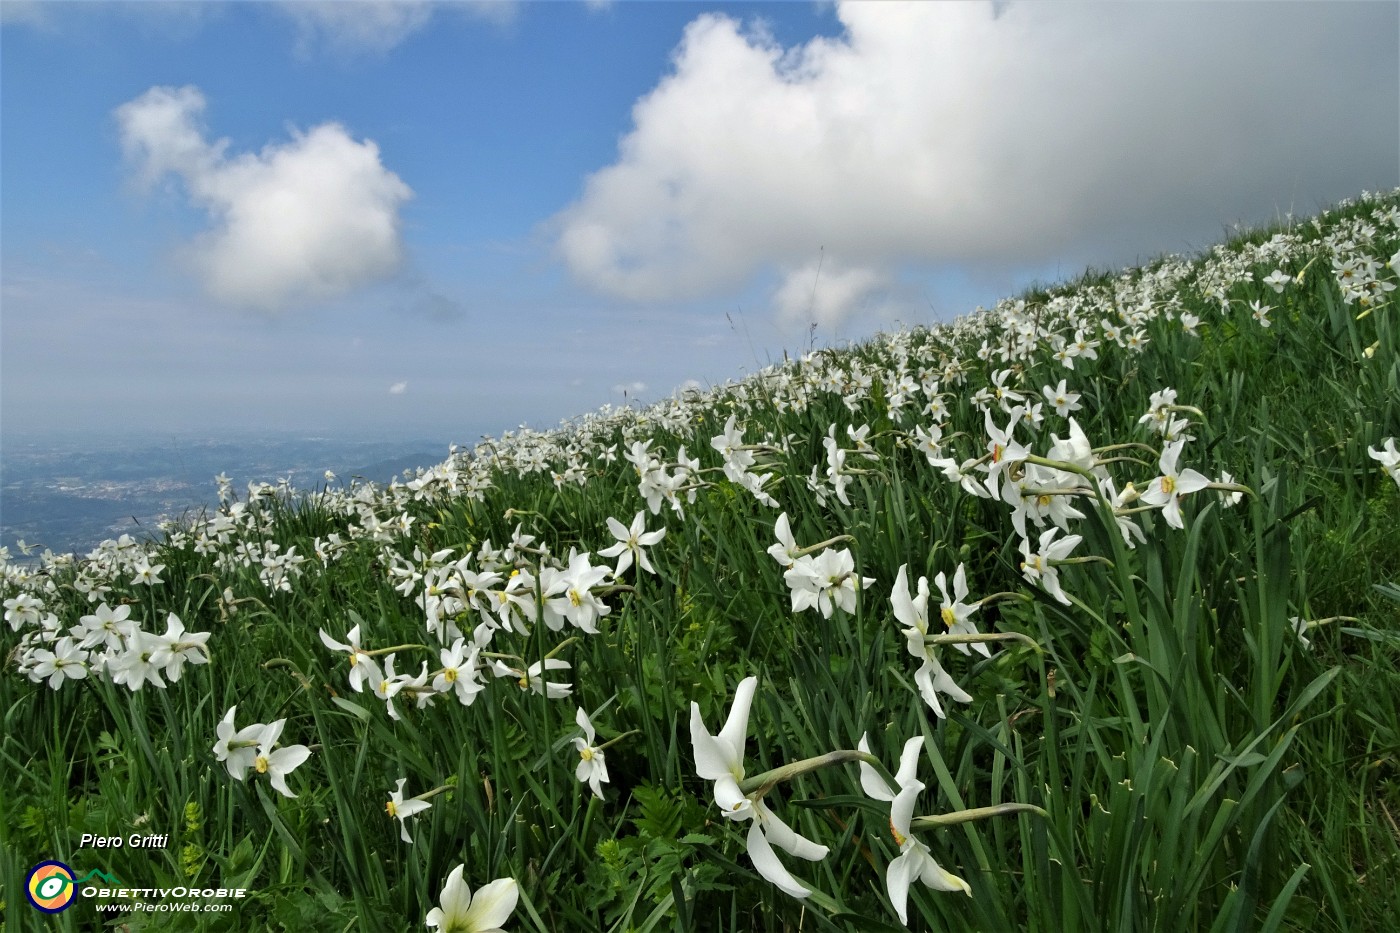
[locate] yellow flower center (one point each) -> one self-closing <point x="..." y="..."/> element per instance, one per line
<point x="586" y="753"/>
<point x="524" y="682"/>
<point x="1043" y="501"/>
<point x="573" y="597"/>
<point x="950" y="618"/>
<point x="391" y="808"/>
<point x="1168" y="484"/>
<point x="450" y="675"/>
<point x="899" y="837"/>
<point x="260" y="764"/>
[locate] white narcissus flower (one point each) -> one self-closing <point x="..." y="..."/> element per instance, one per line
<point x="177" y="647"/>
<point x="23" y="610"/>
<point x="729" y="444"/>
<point x="769" y="830"/>
<point x="459" y="665"/>
<point x="1039" y="566"/>
<point x="388" y="685"/>
<point x="720" y="758"/>
<point x="1063" y="400"/>
<point x="1075" y="450"/>
<point x="915" y="862"/>
<point x="825" y="582"/>
<point x="278" y="764"/>
<point x="957" y="615"/>
<point x="133" y="666"/>
<point x="1229" y="499"/>
<point x="631" y="543"/>
<point x="931" y="678"/>
<point x="66" y="660"/>
<point x="533" y="677"/>
<point x="1277" y="280"/>
<point x="874" y="785"/>
<point x="106" y="628"/>
<point x="785" y="551"/>
<point x="362" y="667"/>
<point x="962" y="473"/>
<point x="236" y="749"/>
<point x="146" y="573"/>
<point x="462" y="913"/>
<point x="929" y="442"/>
<point x="1388" y="457"/>
<point x="1165" y="491"/>
<point x="1300" y="627"/>
<point x="570" y="594"/>
<point x="1002" y="447"/>
<point x="401" y="809"/>
<point x="592" y="769"/>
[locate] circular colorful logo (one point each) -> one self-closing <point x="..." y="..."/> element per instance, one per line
<point x="49" y="887"/>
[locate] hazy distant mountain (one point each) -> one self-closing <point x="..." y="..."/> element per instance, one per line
<point x="70" y="495"/>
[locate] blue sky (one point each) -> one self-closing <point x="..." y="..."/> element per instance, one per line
<point x="383" y="219"/>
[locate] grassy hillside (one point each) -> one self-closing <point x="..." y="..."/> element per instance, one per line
<point x="1081" y="613"/>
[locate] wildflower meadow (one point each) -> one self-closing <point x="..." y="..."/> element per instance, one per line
<point x="1078" y="613"/>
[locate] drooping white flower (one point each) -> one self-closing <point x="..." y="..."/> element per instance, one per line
<point x="592" y="769"/>
<point x="915" y="862"/>
<point x="462" y="913"/>
<point x="930" y="678"/>
<point x="1039" y="567"/>
<point x="401" y="809"/>
<point x="785" y="551"/>
<point x="1300" y="628"/>
<point x="533" y="677"/>
<point x="1388" y="457"/>
<point x="362" y="666"/>
<point x="720" y="758"/>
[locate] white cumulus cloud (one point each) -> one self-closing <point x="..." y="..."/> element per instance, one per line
<point x="363" y="26"/>
<point x="980" y="133"/>
<point x="824" y="293"/>
<point x="299" y="222"/>
<point x="398" y="388"/>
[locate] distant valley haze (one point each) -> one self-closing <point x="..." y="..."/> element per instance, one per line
<point x="69" y="496"/>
